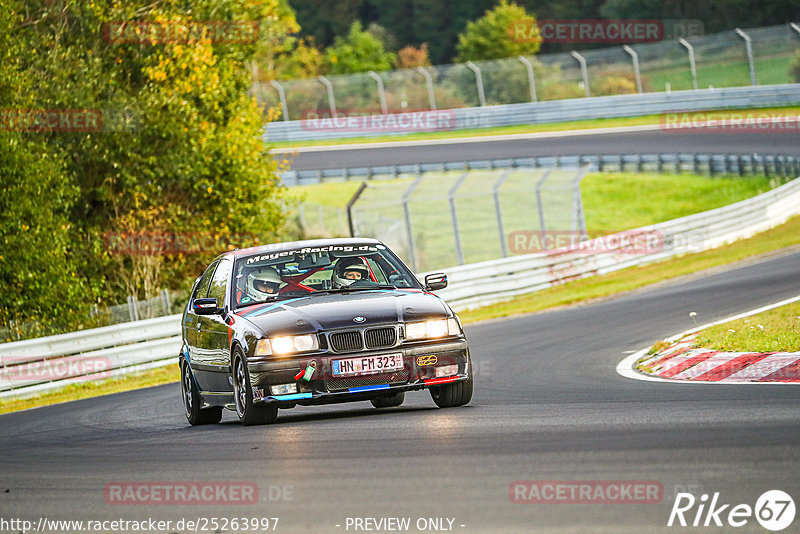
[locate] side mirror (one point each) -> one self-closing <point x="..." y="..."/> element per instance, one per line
<point x="205" y="307"/>
<point x="435" y="281"/>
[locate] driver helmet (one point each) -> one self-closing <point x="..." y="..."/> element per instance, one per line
<point x="263" y="282"/>
<point x="349" y="270"/>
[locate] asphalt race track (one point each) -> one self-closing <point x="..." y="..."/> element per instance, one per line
<point x="548" y="405"/>
<point x="646" y="142"/>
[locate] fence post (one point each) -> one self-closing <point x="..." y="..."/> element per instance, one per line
<point x="454" y="217"/>
<point x="409" y="231"/>
<point x="350" y="203"/>
<point x="749" y="46"/>
<point x="331" y="100"/>
<point x="133" y="310"/>
<point x="499" y="212"/>
<point x="578" y="219"/>
<point x="584" y="71"/>
<point x="478" y="82"/>
<point x="635" y="58"/>
<point x="692" y="65"/>
<point x="531" y="80"/>
<point x="429" y="83"/>
<point x="282" y="96"/>
<point x="539" y="202"/>
<point x="165" y="301"/>
<point x="322" y="229"/>
<point x="381" y="91"/>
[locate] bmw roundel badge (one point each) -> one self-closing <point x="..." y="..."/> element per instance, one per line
<point x="359" y="319"/>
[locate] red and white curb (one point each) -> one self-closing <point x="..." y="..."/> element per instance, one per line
<point x="680" y="362"/>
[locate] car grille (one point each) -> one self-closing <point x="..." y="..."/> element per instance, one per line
<point x="379" y="338"/>
<point x="338" y="384"/>
<point x="346" y="341"/>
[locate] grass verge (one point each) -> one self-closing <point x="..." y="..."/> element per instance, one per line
<point x="776" y="330"/>
<point x="516" y="129"/>
<point x="144" y="379"/>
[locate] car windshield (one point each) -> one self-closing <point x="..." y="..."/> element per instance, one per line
<point x="305" y="271"/>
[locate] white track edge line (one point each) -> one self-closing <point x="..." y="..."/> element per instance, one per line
<point x="625" y="367"/>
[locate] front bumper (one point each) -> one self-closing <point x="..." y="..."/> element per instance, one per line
<point x="420" y="362"/>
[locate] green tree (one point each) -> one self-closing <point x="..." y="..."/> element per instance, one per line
<point x="505" y="31"/>
<point x="359" y="51"/>
<point x="179" y="150"/>
<point x="37" y="272"/>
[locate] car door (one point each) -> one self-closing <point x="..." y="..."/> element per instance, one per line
<point x="213" y="333"/>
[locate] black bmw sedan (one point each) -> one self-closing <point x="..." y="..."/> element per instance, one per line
<point x="317" y="322"/>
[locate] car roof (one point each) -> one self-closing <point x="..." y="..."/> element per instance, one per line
<point x="292" y="245"/>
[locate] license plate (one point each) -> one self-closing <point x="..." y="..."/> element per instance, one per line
<point x="367" y="365"/>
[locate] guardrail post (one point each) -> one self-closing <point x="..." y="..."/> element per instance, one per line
<point x="282" y="96"/>
<point x="499" y="212"/>
<point x="407" y="216"/>
<point x="381" y="91"/>
<point x="749" y="46"/>
<point x="451" y="198"/>
<point x="478" y="82"/>
<point x="692" y="65"/>
<point x="635" y="58"/>
<point x="331" y="100"/>
<point x="584" y="70"/>
<point x="531" y="84"/>
<point x="539" y="201"/>
<point x="429" y="83"/>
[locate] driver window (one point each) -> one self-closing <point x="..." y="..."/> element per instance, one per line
<point x="220" y="282"/>
<point x="202" y="286"/>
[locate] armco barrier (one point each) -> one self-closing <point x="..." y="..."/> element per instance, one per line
<point x="600" y="107"/>
<point x="783" y="165"/>
<point x="37" y="365"/>
<point x="45" y="363"/>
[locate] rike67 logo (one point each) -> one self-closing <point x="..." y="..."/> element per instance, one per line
<point x="774" y="510"/>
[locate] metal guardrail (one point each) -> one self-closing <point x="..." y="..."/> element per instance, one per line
<point x="555" y="111"/>
<point x="37" y="365"/>
<point x="488" y="282"/>
<point x="40" y="364"/>
<point x="784" y="165"/>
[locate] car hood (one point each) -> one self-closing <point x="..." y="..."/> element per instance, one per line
<point x="339" y="310"/>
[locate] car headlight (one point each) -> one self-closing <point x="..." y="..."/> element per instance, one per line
<point x="435" y="328"/>
<point x="283" y="345"/>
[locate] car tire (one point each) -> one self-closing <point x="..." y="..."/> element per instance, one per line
<point x="389" y="401"/>
<point x="249" y="412"/>
<point x="191" y="401"/>
<point x="456" y="394"/>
